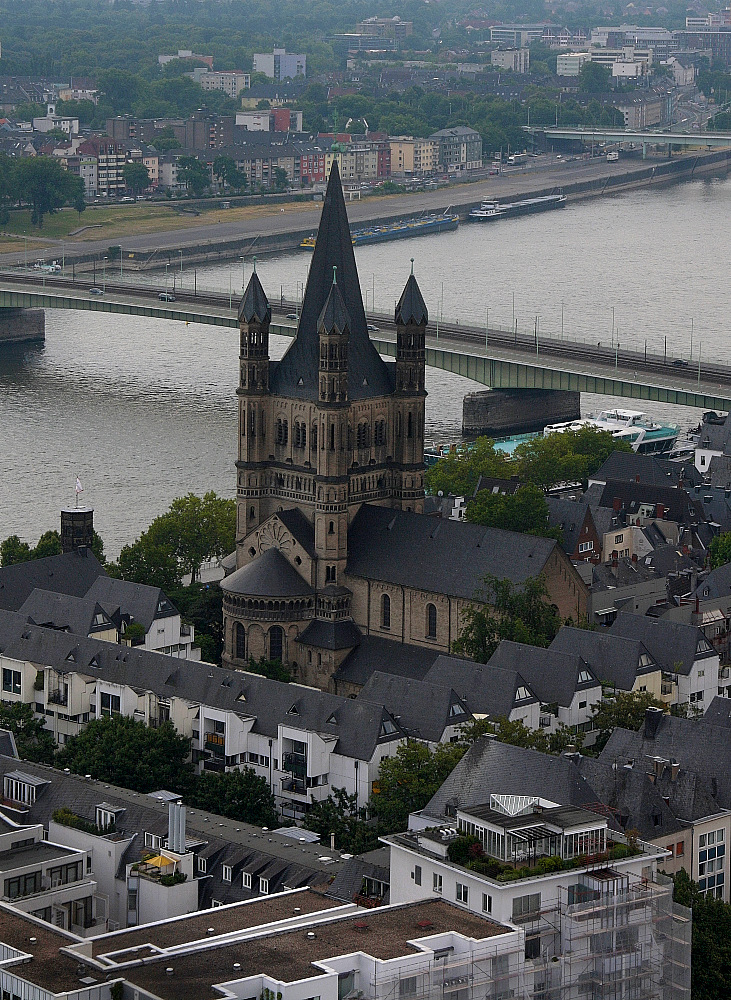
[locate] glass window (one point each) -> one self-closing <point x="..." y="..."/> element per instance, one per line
<point x="246" y="880"/>
<point x="227" y="873"/>
<point x="416" y="874"/>
<point x="385" y="611"/>
<point x="431" y="621"/>
<point x="276" y="642"/>
<point x="462" y="893"/>
<point x="679" y="849"/>
<point x="437" y="882"/>
<point x="407" y="987"/>
<point x="240" y="641"/>
<point x="486" y="903"/>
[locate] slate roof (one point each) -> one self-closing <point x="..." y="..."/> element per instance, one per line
<point x="636" y="802"/>
<point x="718" y="713"/>
<point x="80" y="615"/>
<point x="614" y="660"/>
<point x="569" y="516"/>
<point x="302" y="529"/>
<point x="552" y="675"/>
<point x="211" y="836"/>
<point x="71" y="573"/>
<point x="719" y="471"/>
<point x="491" y="767"/>
<point x="269" y="575"/>
<point x="334" y="317"/>
<point x="411" y="308"/>
<point x="331" y="635"/>
<point x="504" y="487"/>
<point x="715" y="434"/>
<point x="679" y="506"/>
<point x="423" y="709"/>
<point x="673" y="645"/>
<point x="7" y="744"/>
<point x="716" y="584"/>
<point x="349" y="880"/>
<point x="375" y="653"/>
<point x="483" y="689"/>
<point x="439" y="555"/>
<point x="254" y="306"/>
<point x="634" y="467"/>
<point x="136" y="601"/>
<point x="356" y="726"/>
<point x="297" y="374"/>
<point x="703" y="750"/>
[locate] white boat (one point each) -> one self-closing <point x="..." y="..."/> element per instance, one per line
<point x="633" y="426"/>
<point x="487" y="210"/>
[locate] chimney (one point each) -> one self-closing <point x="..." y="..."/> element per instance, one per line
<point x="634" y="557"/>
<point x="652" y="722"/>
<point x="637" y="478"/>
<point x="674" y="769"/>
<point x="176" y="828"/>
<point x="617" y="504"/>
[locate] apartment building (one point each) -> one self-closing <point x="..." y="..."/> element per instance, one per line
<point x="231" y="82"/>
<point x="280" y="64"/>
<point x="412" y="156"/>
<point x="459" y="149"/>
<point x="111" y="157"/>
<point x="515" y="60"/>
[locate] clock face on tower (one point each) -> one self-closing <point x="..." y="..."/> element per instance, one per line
<point x="274" y="536"/>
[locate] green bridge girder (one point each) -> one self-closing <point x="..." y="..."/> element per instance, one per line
<point x="491" y="368"/>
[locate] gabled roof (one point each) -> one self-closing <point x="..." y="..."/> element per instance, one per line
<point x="679" y="506"/>
<point x="297" y="374"/>
<point x="634" y="800"/>
<point x="71" y="573"/>
<point x="613" y="659"/>
<point x="334" y="317"/>
<point x="411" y="307"/>
<point x="483" y="689"/>
<point x="80" y="615"/>
<point x="439" y="555"/>
<point x="553" y="675"/>
<point x="269" y="575"/>
<point x="716" y="584"/>
<point x="673" y="645"/>
<point x="375" y="653"/>
<point x="124" y="598"/>
<point x="633" y="467"/>
<point x="331" y="635"/>
<point x="422" y="709"/>
<point x="297" y="524"/>
<point x="254" y="306"/>
<point x="491" y="767"/>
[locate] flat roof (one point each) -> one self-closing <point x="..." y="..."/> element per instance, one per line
<point x="35" y="854"/>
<point x="48" y="968"/>
<point x="223" y="919"/>
<point x="561" y="816"/>
<point x="288" y="956"/>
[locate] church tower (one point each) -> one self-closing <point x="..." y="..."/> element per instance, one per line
<point x="330" y="427"/>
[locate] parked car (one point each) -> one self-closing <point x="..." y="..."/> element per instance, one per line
<point x="166" y="297"/>
<point x="292" y="316"/>
<point x="95" y="291"/>
<point x="372" y="328"/>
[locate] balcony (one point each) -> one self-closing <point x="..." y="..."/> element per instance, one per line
<point x="216" y="743"/>
<point x="58" y="697"/>
<point x="294" y="785"/>
<point x="295" y="764"/>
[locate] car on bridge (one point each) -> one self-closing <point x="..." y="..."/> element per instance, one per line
<point x="292" y="316"/>
<point x="166" y="297"/>
<point x="95" y="291"/>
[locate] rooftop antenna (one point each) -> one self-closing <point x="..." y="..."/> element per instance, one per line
<point x="254" y="265"/>
<point x="335" y="274"/>
<point x="412" y="265"/>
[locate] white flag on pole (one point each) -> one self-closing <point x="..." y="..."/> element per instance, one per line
<point x="79" y="487"/>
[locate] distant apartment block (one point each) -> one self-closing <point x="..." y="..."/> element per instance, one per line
<point x="518" y="36"/>
<point x="280" y="65"/>
<point x="163" y="60"/>
<point x="78" y="94"/>
<point x="517" y="60"/>
<point x="627" y="60"/>
<point x="51" y="121"/>
<point x="459" y="149"/>
<point x="570" y="63"/>
<point x="276" y="120"/>
<point x="386" y="27"/>
<point x="413" y="156"/>
<point x="231" y="82"/>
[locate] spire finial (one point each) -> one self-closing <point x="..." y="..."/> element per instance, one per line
<point x="255" y="265"/>
<point x="412" y="265"/>
<point x="335" y="274"/>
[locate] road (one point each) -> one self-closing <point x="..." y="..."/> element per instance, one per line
<point x="542" y="171"/>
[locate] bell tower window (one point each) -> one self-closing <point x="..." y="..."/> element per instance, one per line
<point x="385" y="611"/>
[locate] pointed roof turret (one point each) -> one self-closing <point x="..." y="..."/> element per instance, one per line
<point x="297" y="374"/>
<point x="255" y="306"/>
<point x="411" y="307"/>
<point x="334" y="317"/>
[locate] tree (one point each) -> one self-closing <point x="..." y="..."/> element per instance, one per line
<point x="193" y="174"/>
<point x="525" y="511"/>
<point x="720" y="550"/>
<point x="31" y="737"/>
<point x="136" y="177"/>
<point x="519" y="735"/>
<point x="13" y="551"/>
<point x="241" y="795"/>
<point x="624" y="710"/>
<point x="571" y="456"/>
<point x="711" y="939"/>
<point x="273" y="669"/>
<point x="594" y="79"/>
<point x="49" y="544"/>
<point x="280" y="179"/>
<point x="46" y="186"/>
<point x="408" y="780"/>
<point x="522" y="615"/>
<point x="459" y="471"/>
<point x="201" y="605"/>
<point x="7" y="186"/>
<point x="194" y="529"/>
<point x="121" y="751"/>
<point x="339" y="814"/>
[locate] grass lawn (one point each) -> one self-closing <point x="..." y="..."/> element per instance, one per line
<point x="117" y="221"/>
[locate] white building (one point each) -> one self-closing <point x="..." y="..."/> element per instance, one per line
<point x="231" y="82"/>
<point x="570" y="63"/>
<point x="280" y="65"/>
<point x="517" y="60"/>
<point x="65" y="123"/>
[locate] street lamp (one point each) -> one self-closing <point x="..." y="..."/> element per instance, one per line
<point x="243" y="274"/>
<point x="166" y="276"/>
<point x="181" y="260"/>
<point x="104" y="276"/>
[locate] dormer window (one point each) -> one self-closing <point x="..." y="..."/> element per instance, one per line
<point x="585" y="677"/>
<point x="522" y="694"/>
<point x="293" y="710"/>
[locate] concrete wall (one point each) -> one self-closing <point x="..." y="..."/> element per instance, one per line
<point x="513" y="411"/>
<point x="20" y="325"/>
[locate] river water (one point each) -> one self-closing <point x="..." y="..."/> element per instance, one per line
<point x="144" y="411"/>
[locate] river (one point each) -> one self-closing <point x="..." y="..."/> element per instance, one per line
<point x="144" y="411"/>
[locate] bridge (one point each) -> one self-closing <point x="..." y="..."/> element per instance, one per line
<point x="645" y="137"/>
<point x="501" y="359"/>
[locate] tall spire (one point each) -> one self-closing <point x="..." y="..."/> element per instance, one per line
<point x="411" y="307"/>
<point x="254" y="306"/>
<point x="297" y="373"/>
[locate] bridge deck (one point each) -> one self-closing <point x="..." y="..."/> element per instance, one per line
<point x="501" y="360"/>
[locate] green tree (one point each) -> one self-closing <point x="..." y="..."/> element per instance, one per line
<point x="408" y="780"/>
<point x="519" y="735"/>
<point x="711" y="940"/>
<point x="621" y="709"/>
<point x="13" y="551"/>
<point x="459" y="471"/>
<point x="201" y="605"/>
<point x="720" y="550"/>
<point x="136" y="177"/>
<point x="7" y="186"/>
<point x="45" y="186"/>
<point x="507" y="612"/>
<point x="339" y="814"/>
<point x="193" y="174"/>
<point x="525" y="511"/>
<point x="148" y="561"/>
<point x="242" y="795"/>
<point x="49" y="544"/>
<point x="31" y="738"/>
<point x="273" y="669"/>
<point x="594" y="79"/>
<point x="122" y="751"/>
<point x="280" y="179"/>
<point x="571" y="456"/>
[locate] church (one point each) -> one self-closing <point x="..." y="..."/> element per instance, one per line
<point x="337" y="565"/>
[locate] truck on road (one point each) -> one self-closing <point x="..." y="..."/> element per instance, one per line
<point x="518" y="158"/>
